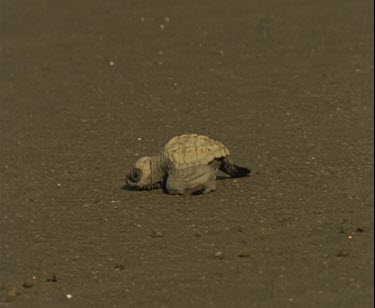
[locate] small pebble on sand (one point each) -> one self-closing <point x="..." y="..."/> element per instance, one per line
<point x="219" y="254"/>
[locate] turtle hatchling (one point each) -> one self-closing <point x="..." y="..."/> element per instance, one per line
<point x="187" y="165"/>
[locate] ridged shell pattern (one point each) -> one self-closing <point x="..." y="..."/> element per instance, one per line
<point x="191" y="150"/>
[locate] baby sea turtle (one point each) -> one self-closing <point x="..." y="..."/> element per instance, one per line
<point x="187" y="165"/>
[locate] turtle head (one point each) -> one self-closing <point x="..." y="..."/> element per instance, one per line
<point x="140" y="175"/>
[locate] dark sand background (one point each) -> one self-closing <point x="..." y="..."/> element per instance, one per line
<point x="86" y="86"/>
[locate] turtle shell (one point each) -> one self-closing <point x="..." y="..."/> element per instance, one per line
<point x="190" y="150"/>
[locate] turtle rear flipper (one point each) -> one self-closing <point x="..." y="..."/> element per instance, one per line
<point x="234" y="171"/>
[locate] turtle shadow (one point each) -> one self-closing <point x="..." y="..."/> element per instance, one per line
<point x="135" y="189"/>
<point x="128" y="188"/>
<point x="222" y="178"/>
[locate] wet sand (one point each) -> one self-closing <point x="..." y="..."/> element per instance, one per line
<point x="87" y="87"/>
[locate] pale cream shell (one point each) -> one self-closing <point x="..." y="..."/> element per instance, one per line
<point x="193" y="149"/>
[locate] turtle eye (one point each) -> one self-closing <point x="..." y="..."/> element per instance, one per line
<point x="136" y="175"/>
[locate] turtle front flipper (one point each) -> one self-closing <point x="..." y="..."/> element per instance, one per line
<point x="228" y="167"/>
<point x="192" y="180"/>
